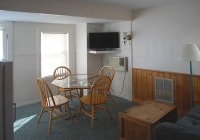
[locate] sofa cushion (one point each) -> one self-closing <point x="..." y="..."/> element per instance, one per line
<point x="187" y="128"/>
<point x="189" y="123"/>
<point x="170" y="131"/>
<point x="194" y="112"/>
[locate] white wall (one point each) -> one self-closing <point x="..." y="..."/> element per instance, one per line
<point x="86" y="62"/>
<point x="119" y="87"/>
<point x="160" y="32"/>
<point x="95" y="61"/>
<point x="26" y="58"/>
<point x="81" y="48"/>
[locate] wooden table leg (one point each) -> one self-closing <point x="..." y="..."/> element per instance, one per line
<point x="81" y="93"/>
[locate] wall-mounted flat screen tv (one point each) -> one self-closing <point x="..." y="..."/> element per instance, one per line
<point x="104" y="41"/>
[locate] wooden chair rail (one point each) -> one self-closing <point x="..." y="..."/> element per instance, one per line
<point x="143" y="84"/>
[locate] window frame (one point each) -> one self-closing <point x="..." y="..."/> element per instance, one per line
<point x="5" y="43"/>
<point x="1" y="32"/>
<point x="68" y="51"/>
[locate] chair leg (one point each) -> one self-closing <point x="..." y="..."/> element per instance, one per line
<point x="65" y="104"/>
<point x="78" y="94"/>
<point x="50" y="120"/>
<point x="40" y="114"/>
<point x="92" y="123"/>
<point x="60" y="109"/>
<point x="81" y="106"/>
<point x="70" y="113"/>
<point x="70" y="92"/>
<point x="108" y="111"/>
<point x="111" y="97"/>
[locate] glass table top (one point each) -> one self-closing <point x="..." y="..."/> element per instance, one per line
<point x="76" y="81"/>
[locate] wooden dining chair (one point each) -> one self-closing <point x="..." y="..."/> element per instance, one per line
<point x="110" y="72"/>
<point x="63" y="72"/>
<point x="51" y="103"/>
<point x="96" y="97"/>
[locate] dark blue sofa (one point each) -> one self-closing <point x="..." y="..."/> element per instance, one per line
<point x="187" y="128"/>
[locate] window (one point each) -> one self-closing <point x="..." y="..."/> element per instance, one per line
<point x="54" y="52"/>
<point x="1" y="44"/>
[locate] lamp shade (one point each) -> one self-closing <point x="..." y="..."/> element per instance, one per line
<point x="124" y="34"/>
<point x="189" y="52"/>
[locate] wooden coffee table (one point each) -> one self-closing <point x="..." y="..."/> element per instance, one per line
<point x="137" y="122"/>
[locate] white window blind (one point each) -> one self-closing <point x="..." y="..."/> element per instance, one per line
<point x="54" y="52"/>
<point x="1" y="44"/>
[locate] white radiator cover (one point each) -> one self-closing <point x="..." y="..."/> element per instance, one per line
<point x="164" y="90"/>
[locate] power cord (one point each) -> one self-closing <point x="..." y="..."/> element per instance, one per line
<point x="123" y="84"/>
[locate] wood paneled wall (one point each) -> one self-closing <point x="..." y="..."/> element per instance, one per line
<point x="144" y="87"/>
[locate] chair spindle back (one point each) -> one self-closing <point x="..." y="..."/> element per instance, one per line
<point x="99" y="89"/>
<point x="107" y="71"/>
<point x="61" y="72"/>
<point x="45" y="92"/>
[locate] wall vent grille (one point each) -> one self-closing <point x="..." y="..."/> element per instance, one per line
<point x="164" y="90"/>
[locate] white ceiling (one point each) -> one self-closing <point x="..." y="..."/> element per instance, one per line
<point x="131" y="4"/>
<point x="47" y="18"/>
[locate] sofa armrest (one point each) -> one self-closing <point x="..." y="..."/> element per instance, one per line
<point x="170" y="131"/>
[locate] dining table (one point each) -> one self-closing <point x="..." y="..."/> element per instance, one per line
<point x="76" y="81"/>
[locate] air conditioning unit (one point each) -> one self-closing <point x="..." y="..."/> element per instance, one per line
<point x="164" y="90"/>
<point x="118" y="63"/>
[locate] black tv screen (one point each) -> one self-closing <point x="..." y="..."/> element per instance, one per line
<point x="103" y="40"/>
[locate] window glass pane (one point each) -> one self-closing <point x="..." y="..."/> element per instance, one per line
<point x="53" y="52"/>
<point x="1" y="44"/>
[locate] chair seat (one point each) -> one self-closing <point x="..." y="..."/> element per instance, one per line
<point x="58" y="99"/>
<point x="96" y="99"/>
